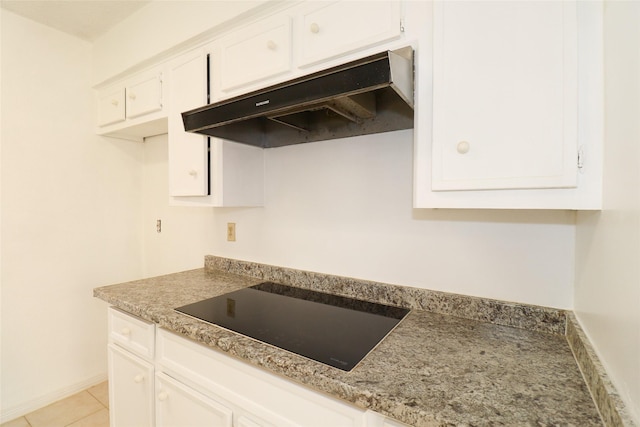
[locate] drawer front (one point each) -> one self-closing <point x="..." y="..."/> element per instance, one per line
<point x="265" y="396"/>
<point x="134" y="334"/>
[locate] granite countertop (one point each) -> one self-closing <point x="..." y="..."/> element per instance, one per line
<point x="433" y="369"/>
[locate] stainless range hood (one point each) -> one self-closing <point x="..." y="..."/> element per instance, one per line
<point x="370" y="95"/>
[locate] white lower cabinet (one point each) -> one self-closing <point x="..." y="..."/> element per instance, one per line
<point x="178" y="406"/>
<point x="259" y="396"/>
<point x="130" y="389"/>
<point x="188" y="384"/>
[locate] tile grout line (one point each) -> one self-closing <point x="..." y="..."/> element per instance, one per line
<point x="89" y="415"/>
<point x="93" y="396"/>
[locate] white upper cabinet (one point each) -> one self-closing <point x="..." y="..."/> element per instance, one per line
<point x="255" y="52"/>
<point x="188" y="157"/>
<point x="513" y="113"/>
<point x="504" y="95"/>
<point x="111" y="106"/>
<point x="144" y="96"/>
<point x="327" y="29"/>
<point x="300" y="40"/>
<point x="206" y="171"/>
<point x="133" y="108"/>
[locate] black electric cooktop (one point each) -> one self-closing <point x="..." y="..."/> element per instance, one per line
<point x="334" y="330"/>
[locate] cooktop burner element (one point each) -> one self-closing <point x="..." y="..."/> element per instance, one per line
<point x="334" y="330"/>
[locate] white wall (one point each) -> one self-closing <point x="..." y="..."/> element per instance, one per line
<point x="344" y="207"/>
<point x="71" y="217"/>
<point x="159" y="26"/>
<point x="187" y="233"/>
<point x="607" y="290"/>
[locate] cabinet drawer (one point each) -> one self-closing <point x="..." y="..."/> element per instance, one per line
<point x="330" y="29"/>
<point x="132" y="333"/>
<point x="254" y="53"/>
<point x="267" y="397"/>
<point x="111" y="107"/>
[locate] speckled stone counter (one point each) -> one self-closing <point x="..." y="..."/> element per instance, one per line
<point x="451" y="361"/>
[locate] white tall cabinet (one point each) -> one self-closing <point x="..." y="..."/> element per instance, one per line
<point x="206" y="171"/>
<point x="188" y="164"/>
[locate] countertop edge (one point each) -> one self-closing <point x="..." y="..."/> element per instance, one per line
<point x="612" y="409"/>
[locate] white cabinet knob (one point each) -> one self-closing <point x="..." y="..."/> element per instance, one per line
<point x="315" y="28"/>
<point x="114" y="102"/>
<point x="193" y="173"/>
<point x="162" y="395"/>
<point x="463" y="147"/>
<point x="125" y="331"/>
<point x="271" y="45"/>
<point x="132" y="96"/>
<point x="138" y="378"/>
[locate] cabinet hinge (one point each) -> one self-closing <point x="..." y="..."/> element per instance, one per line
<point x="580" y="158"/>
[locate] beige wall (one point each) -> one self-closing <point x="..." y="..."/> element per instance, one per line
<point x="187" y="232"/>
<point x="607" y="290"/>
<point x="70" y="217"/>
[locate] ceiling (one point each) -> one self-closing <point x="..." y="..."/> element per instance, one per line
<point x="86" y="19"/>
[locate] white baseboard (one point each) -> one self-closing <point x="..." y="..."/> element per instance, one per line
<point x="8" y="414"/>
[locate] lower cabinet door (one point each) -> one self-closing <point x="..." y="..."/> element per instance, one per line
<point x="177" y="405"/>
<point x="130" y="389"/>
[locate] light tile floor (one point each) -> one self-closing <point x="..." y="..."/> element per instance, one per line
<point x="89" y="408"/>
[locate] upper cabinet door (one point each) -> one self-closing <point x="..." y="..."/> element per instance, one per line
<point x="329" y="29"/>
<point x="111" y="107"/>
<point x="188" y="157"/>
<point x="256" y="52"/>
<point x="144" y="96"/>
<point x="504" y="95"/>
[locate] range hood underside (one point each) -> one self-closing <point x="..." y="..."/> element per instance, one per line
<point x="319" y="123"/>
